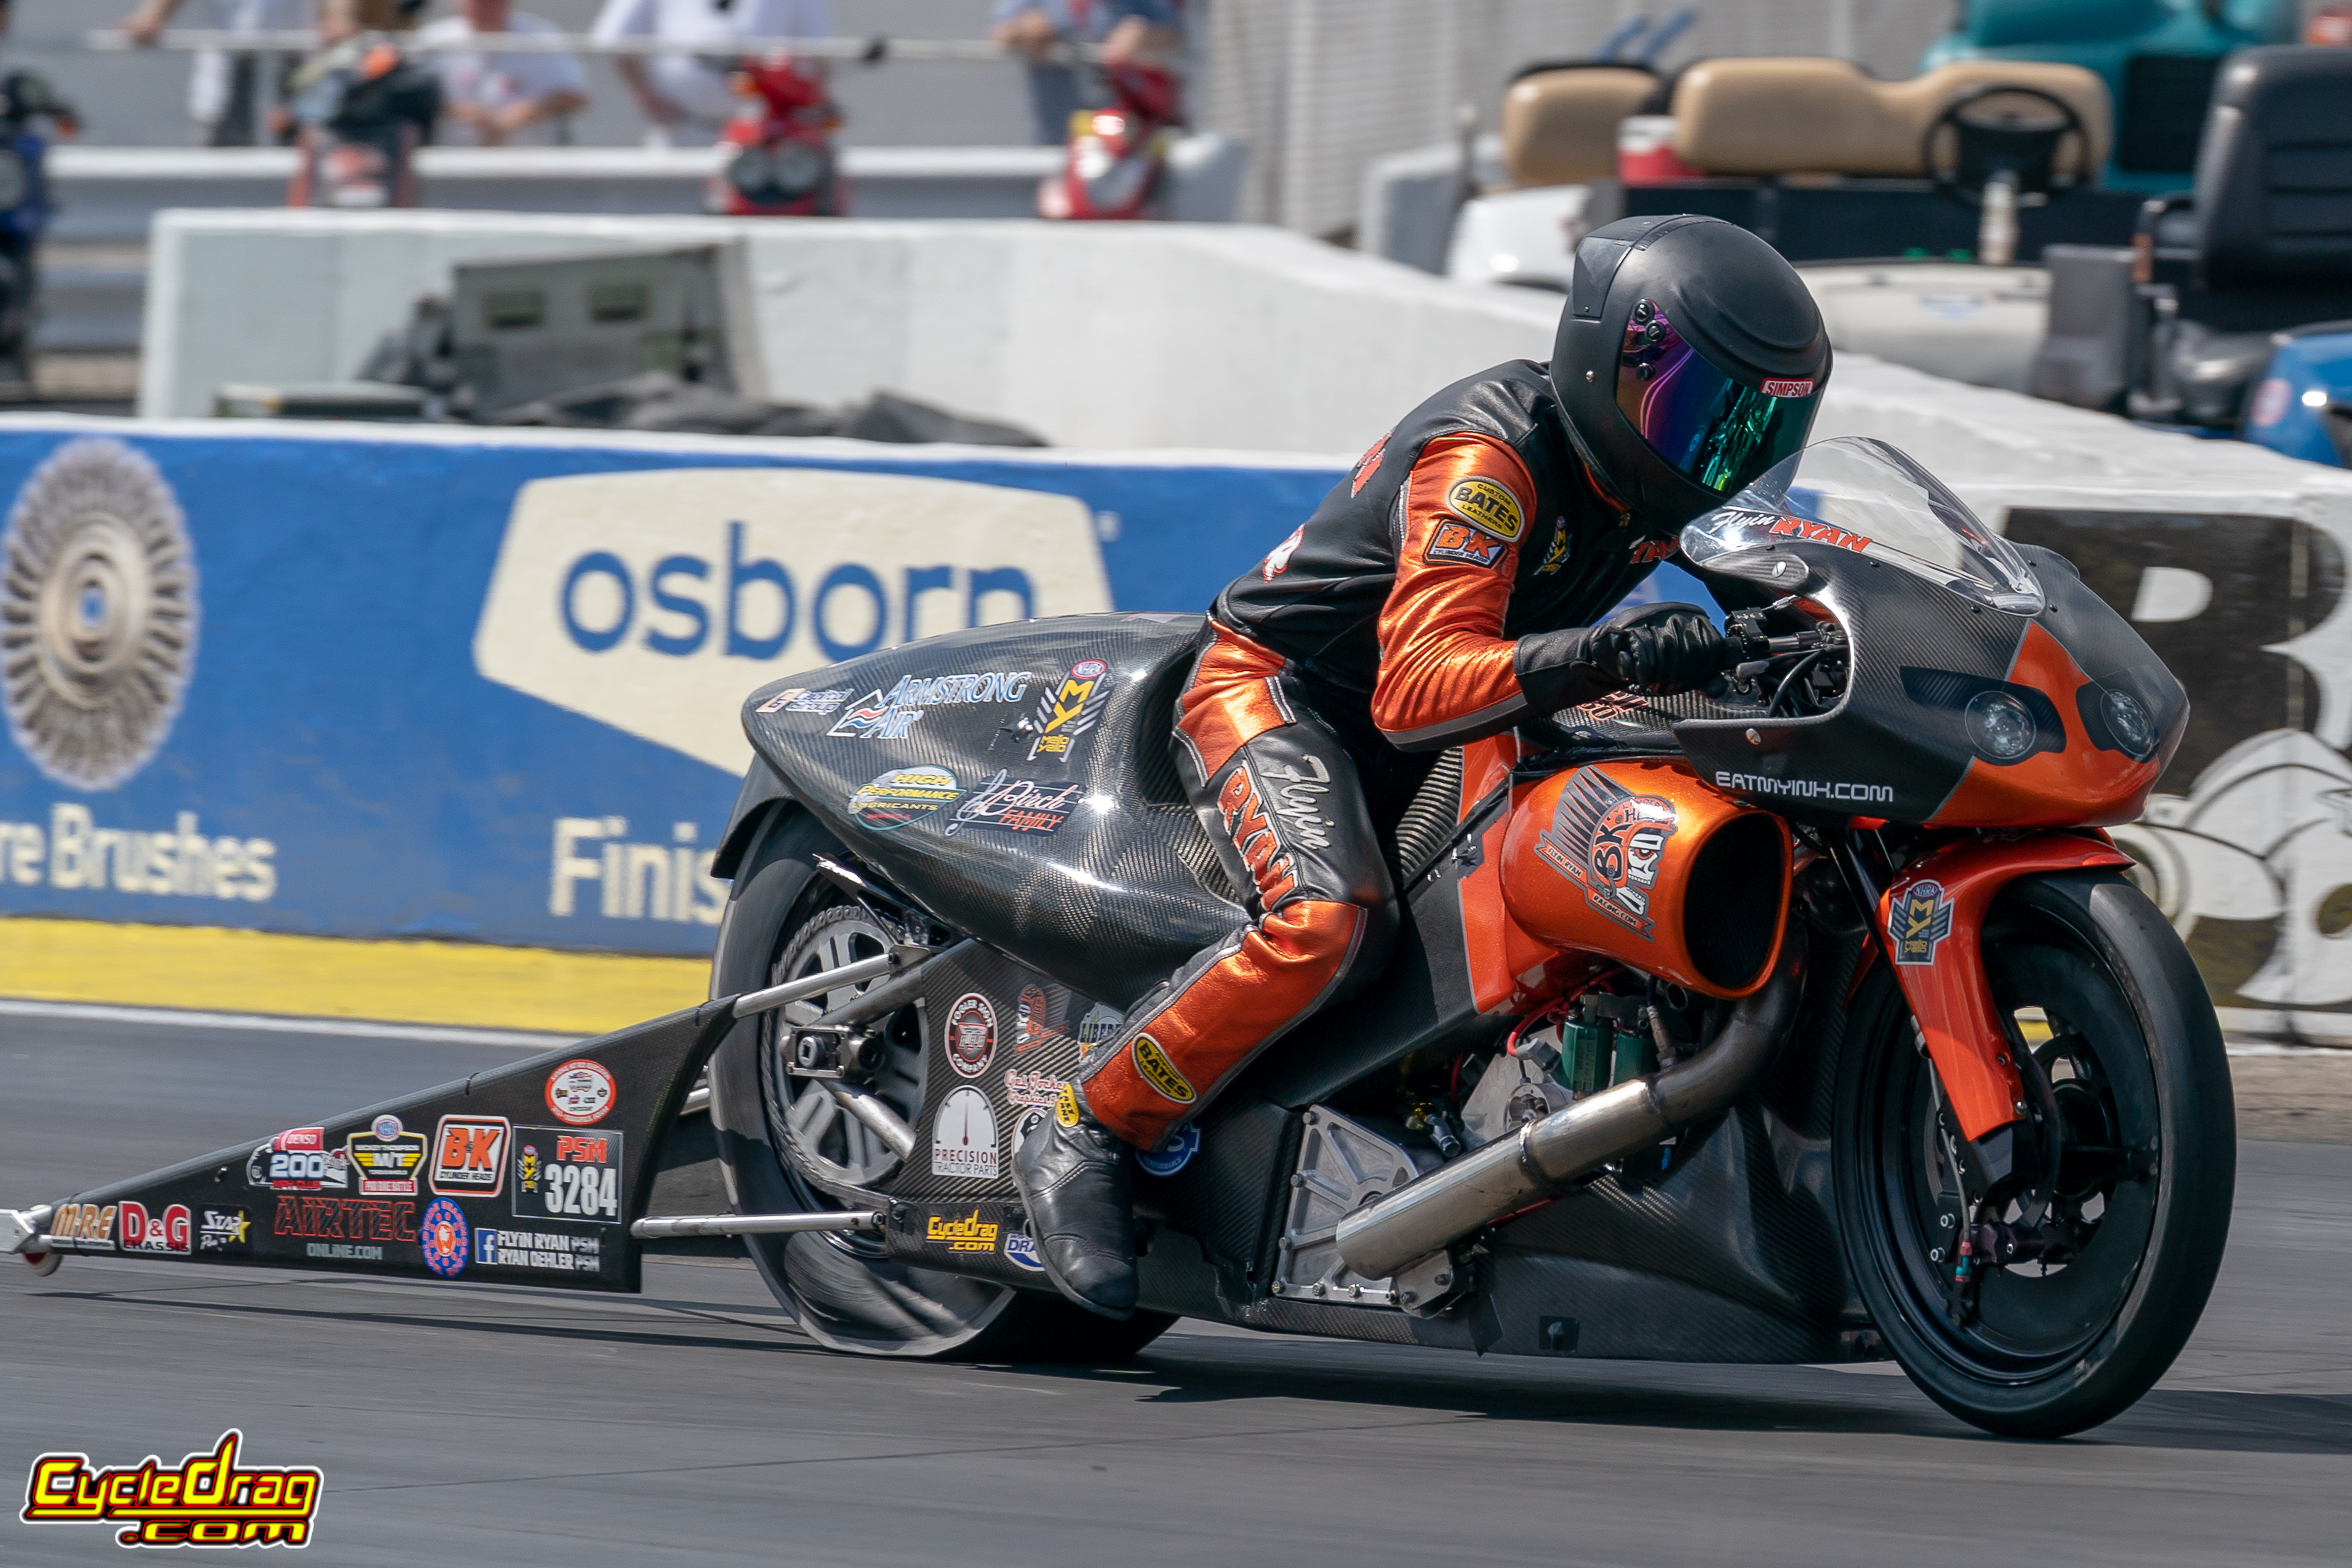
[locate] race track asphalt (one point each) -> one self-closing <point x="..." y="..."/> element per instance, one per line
<point x="472" y="1424"/>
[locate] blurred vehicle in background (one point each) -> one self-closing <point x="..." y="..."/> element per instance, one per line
<point x="686" y="96"/>
<point x="2230" y="312"/>
<point x="505" y="98"/>
<point x="1117" y="156"/>
<point x="30" y="114"/>
<point x="2157" y="57"/>
<point x="362" y="108"/>
<point x="785" y="165"/>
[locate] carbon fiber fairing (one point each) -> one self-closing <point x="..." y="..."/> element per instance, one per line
<point x="1015" y="779"/>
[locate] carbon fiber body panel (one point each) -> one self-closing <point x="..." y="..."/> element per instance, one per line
<point x="1111" y="898"/>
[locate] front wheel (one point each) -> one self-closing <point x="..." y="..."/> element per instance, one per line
<point x="2114" y="1256"/>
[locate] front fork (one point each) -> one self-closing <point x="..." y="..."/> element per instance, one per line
<point x="1930" y="927"/>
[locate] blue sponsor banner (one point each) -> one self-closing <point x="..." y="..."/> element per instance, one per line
<point x="425" y="684"/>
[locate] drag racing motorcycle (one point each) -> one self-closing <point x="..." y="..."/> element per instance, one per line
<point x="783" y="163"/>
<point x="1809" y="1017"/>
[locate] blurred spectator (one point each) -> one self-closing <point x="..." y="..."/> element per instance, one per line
<point x="2329" y="24"/>
<point x="225" y="86"/>
<point x="1126" y="29"/>
<point x="501" y="99"/>
<point x="360" y="109"/>
<point x="686" y="96"/>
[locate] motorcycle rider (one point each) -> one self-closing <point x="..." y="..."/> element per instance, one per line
<point x="1444" y="591"/>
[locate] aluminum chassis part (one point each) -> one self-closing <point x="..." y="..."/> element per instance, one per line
<point x="757" y="1224"/>
<point x="1422" y="1218"/>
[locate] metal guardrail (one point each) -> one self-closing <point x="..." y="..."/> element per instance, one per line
<point x="870" y="51"/>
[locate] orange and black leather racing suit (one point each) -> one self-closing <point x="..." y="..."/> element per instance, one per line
<point x="1385" y="625"/>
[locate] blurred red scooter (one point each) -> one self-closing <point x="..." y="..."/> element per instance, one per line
<point x="1117" y="156"/>
<point x="785" y="166"/>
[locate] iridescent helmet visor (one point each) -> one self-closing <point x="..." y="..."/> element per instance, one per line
<point x="1717" y="432"/>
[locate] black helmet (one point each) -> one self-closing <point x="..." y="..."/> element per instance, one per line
<point x="1689" y="360"/>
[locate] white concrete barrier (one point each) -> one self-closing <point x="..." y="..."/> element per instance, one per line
<point x="1094" y="335"/>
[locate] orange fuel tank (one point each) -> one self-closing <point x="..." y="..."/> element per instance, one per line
<point x="1640" y="861"/>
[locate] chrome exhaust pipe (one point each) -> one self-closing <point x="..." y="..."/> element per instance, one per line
<point x="1387" y="1237"/>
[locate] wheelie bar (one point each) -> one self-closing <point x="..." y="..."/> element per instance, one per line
<point x="539" y="1173"/>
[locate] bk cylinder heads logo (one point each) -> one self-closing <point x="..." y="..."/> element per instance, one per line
<point x="98" y="614"/>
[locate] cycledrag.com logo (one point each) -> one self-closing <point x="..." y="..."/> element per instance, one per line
<point x="209" y="1498"/>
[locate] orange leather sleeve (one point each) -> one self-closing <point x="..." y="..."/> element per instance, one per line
<point x="1445" y="667"/>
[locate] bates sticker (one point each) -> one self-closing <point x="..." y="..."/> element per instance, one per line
<point x="1921" y="919"/>
<point x="970" y="1035"/>
<point x="385" y="1158"/>
<point x="1802" y="387"/>
<point x="1008" y="805"/>
<point x="901" y="795"/>
<point x="563" y="1175"/>
<point x="1611" y="843"/>
<point x="1153" y="1062"/>
<point x="446" y="1239"/>
<point x="1032" y="1024"/>
<point x="963" y="1138"/>
<point x="469" y="1156"/>
<point x="1072" y="707"/>
<point x="299" y="1161"/>
<point x="1459" y="541"/>
<point x="1487" y="505"/>
<point x="580" y="1093"/>
<point x="170" y="1232"/>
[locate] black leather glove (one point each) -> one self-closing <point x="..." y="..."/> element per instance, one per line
<point x="1655" y="649"/>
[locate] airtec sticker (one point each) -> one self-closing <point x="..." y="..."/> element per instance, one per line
<point x="1487" y="506"/>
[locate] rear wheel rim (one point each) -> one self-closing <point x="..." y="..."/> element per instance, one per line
<point x="848" y="1293"/>
<point x="2032" y="1320"/>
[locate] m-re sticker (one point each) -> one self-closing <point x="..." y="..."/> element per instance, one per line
<point x="469" y="1156"/>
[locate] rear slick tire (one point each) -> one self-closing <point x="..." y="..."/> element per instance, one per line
<point x="2126" y="1035"/>
<point x="841" y="1291"/>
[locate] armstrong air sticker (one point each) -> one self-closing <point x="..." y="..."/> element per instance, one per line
<point x="1072" y="707"/>
<point x="1920" y="919"/>
<point x="888" y="715"/>
<point x="1611" y="843"/>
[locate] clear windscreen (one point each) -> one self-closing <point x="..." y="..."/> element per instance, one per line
<point x="1864" y="496"/>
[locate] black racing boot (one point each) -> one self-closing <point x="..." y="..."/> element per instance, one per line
<point x="1073" y="1179"/>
